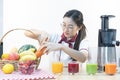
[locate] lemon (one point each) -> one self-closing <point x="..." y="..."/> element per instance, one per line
<point x="5" y="56"/>
<point x="8" y="68"/>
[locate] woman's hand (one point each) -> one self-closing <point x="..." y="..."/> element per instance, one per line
<point x="43" y="37"/>
<point x="51" y="46"/>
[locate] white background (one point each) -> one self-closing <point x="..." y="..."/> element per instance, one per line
<point x="1" y="17"/>
<point x="48" y="14"/>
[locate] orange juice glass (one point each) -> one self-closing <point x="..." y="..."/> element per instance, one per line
<point x="57" y="67"/>
<point x="110" y="68"/>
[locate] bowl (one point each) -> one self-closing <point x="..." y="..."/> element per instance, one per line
<point x="27" y="67"/>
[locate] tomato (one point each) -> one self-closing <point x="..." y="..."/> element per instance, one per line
<point x="40" y="52"/>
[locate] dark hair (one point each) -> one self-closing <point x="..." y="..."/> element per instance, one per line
<point x="77" y="17"/>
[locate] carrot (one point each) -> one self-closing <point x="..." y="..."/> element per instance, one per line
<point x="39" y="52"/>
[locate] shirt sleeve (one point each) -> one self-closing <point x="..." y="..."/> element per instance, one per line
<point x="54" y="38"/>
<point x="84" y="47"/>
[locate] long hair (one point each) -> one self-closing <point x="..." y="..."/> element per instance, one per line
<point x="77" y="17"/>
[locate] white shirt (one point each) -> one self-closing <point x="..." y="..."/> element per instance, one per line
<point x="63" y="57"/>
<point x="46" y="60"/>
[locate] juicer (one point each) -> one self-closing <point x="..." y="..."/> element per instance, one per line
<point x="106" y="43"/>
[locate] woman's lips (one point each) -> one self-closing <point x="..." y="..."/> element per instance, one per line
<point x="66" y="33"/>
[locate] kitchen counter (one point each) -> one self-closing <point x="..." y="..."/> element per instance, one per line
<point x="47" y="75"/>
<point x="84" y="76"/>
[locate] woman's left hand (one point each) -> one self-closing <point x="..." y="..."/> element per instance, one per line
<point x="51" y="46"/>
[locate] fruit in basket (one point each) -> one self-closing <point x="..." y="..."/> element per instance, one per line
<point x="40" y="52"/>
<point x="26" y="47"/>
<point x="27" y="67"/>
<point x="28" y="57"/>
<point x="13" y="56"/>
<point x="28" y="52"/>
<point x="5" y="56"/>
<point x="32" y="49"/>
<point x="14" y="50"/>
<point x="8" y="68"/>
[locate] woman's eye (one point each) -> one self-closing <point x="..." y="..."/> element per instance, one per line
<point x="70" y="26"/>
<point x="67" y="26"/>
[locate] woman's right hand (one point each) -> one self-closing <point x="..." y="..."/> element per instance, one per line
<point x="43" y="37"/>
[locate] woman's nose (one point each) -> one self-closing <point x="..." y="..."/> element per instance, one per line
<point x="66" y="29"/>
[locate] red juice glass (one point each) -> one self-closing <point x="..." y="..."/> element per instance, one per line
<point x="73" y="67"/>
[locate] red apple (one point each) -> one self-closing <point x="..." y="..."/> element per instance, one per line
<point x="13" y="56"/>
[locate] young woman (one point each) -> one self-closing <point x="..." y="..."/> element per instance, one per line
<point x="71" y="44"/>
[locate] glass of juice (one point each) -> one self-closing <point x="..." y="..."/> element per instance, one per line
<point x="57" y="67"/>
<point x="73" y="67"/>
<point x="91" y="65"/>
<point x="110" y="68"/>
<point x="91" y="68"/>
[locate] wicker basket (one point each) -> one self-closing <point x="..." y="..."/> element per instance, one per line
<point x="15" y="62"/>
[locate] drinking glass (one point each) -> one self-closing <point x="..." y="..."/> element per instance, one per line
<point x="57" y="67"/>
<point x="110" y="68"/>
<point x="110" y="62"/>
<point x="118" y="58"/>
<point x="91" y="65"/>
<point x="91" y="68"/>
<point x="73" y="67"/>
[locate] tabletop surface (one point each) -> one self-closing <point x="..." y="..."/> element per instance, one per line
<point x="45" y="75"/>
<point x="82" y="75"/>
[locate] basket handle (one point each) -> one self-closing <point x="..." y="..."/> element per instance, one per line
<point x="1" y="40"/>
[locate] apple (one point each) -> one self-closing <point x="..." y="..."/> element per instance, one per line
<point x="13" y="56"/>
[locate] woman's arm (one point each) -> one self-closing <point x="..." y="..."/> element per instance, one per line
<point x="75" y="54"/>
<point x="41" y="35"/>
<point x="36" y="32"/>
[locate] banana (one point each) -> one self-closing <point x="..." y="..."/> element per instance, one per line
<point x="28" y="52"/>
<point x="32" y="49"/>
<point x="27" y="57"/>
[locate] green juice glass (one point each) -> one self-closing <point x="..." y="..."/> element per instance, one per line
<point x="91" y="68"/>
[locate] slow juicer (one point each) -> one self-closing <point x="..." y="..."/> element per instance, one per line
<point x="106" y="43"/>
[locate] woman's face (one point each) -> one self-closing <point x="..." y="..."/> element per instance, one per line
<point x="69" y="27"/>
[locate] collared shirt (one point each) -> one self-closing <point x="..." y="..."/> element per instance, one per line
<point x="46" y="60"/>
<point x="61" y="55"/>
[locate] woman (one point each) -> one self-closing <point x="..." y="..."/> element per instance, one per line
<point x="72" y="44"/>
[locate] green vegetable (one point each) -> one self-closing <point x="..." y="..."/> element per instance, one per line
<point x="26" y="47"/>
